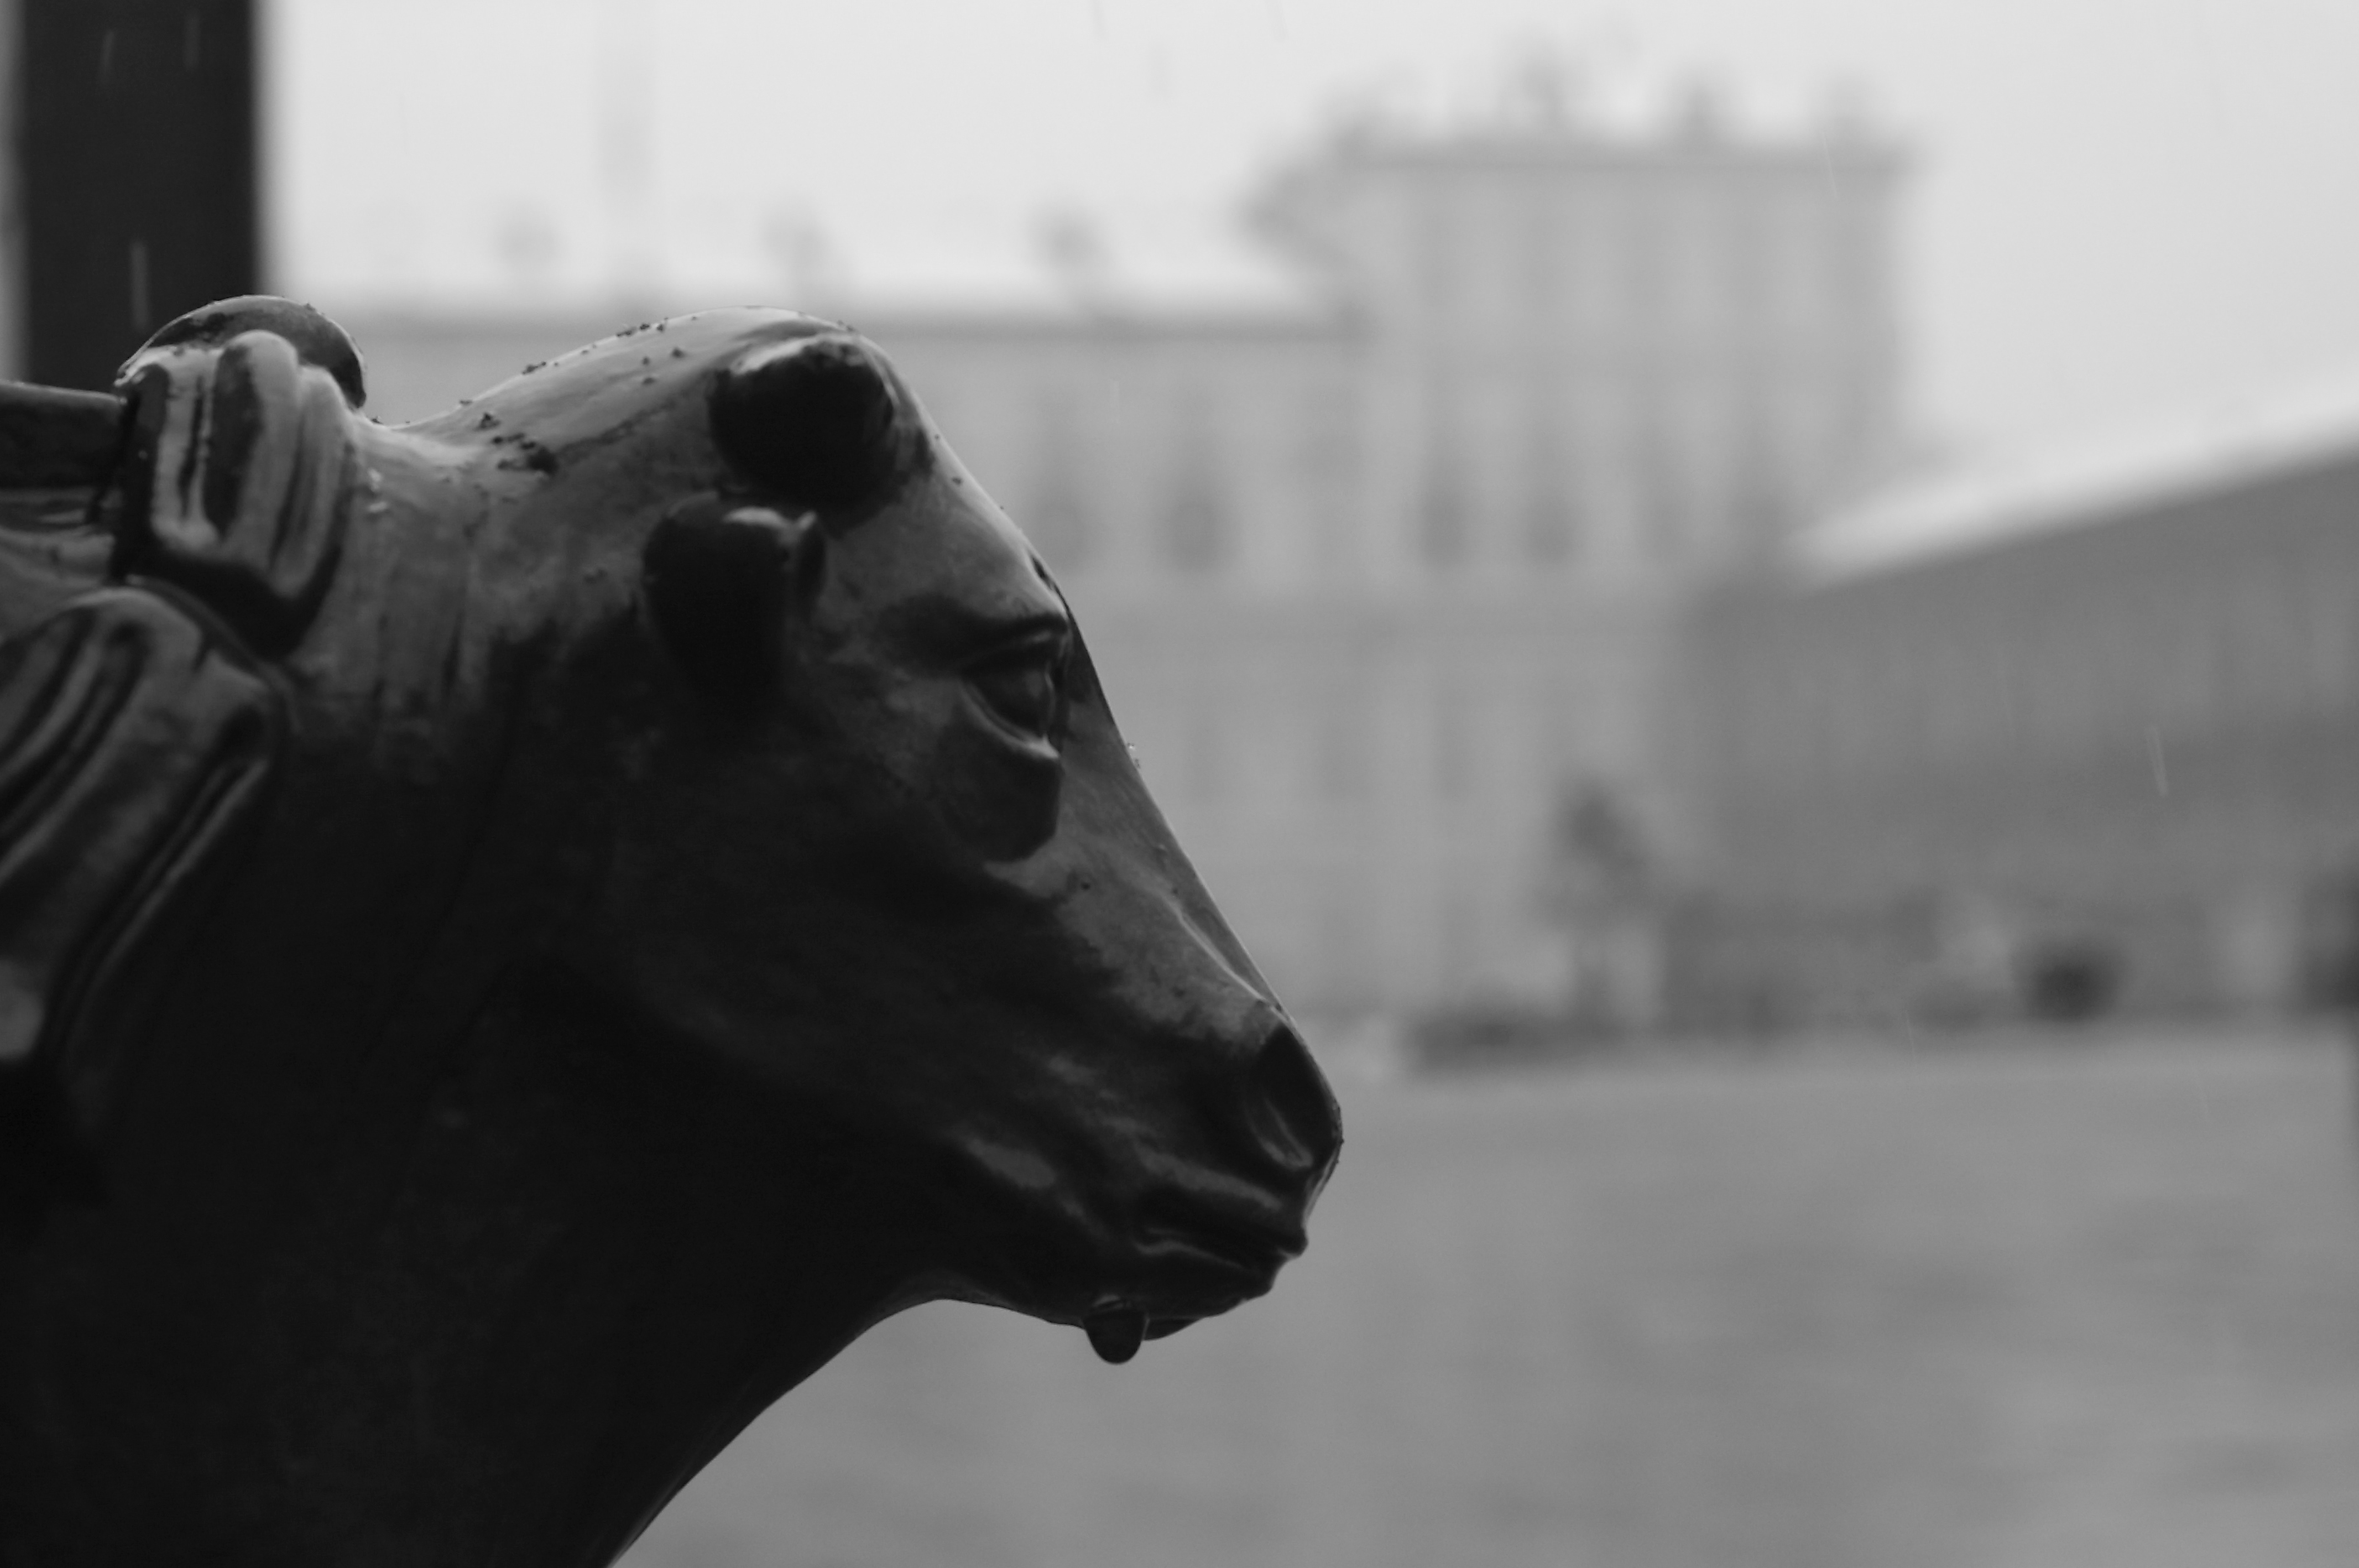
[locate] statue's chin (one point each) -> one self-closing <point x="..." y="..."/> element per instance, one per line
<point x="1165" y="1275"/>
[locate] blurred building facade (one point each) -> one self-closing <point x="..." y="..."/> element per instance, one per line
<point x="1378" y="553"/>
<point x="2052" y="744"/>
<point x="1379" y="566"/>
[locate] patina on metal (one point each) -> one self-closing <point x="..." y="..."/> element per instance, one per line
<point x="522" y="935"/>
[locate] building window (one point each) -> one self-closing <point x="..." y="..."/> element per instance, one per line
<point x="1323" y="446"/>
<point x="1057" y="510"/>
<point x="2329" y="621"/>
<point x="1745" y="252"/>
<point x="1760" y="494"/>
<point x="1196" y="518"/>
<point x="1206" y="760"/>
<point x="1798" y="266"/>
<point x="1325" y="461"/>
<point x="1595" y="243"/>
<point x="1058" y="522"/>
<point x="1645" y="252"/>
<point x="1346" y="946"/>
<point x="1552" y="528"/>
<point x="1453" y="736"/>
<point x="1691" y="259"/>
<point x="1342" y="758"/>
<point x="1441" y="265"/>
<point x="1195" y="521"/>
<point x="1442" y="505"/>
<point x="1662" y="496"/>
<point x="1543" y="261"/>
<point x="1459" y="940"/>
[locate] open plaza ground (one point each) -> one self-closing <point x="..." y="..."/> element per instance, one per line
<point x="2075" y="1301"/>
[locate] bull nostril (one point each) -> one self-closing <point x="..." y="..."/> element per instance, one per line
<point x="1294" y="1113"/>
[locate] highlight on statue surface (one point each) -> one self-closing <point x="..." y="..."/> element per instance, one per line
<point x="524" y="934"/>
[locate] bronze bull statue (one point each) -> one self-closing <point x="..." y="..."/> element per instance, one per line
<point x="523" y="934"/>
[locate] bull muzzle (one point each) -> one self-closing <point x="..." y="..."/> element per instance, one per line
<point x="1278" y="1133"/>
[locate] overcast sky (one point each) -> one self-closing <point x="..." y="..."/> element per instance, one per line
<point x="2120" y="208"/>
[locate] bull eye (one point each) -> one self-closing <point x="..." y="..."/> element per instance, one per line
<point x="814" y="420"/>
<point x="1022" y="685"/>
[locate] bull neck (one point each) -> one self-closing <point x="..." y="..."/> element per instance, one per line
<point x="502" y="1325"/>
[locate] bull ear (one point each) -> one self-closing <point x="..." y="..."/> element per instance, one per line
<point x="818" y="422"/>
<point x="721" y="582"/>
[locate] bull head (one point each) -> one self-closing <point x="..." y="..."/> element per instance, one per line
<point x="659" y="810"/>
<point x="952" y="877"/>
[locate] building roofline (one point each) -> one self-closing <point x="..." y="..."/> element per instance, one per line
<point x="982" y="322"/>
<point x="1848" y="153"/>
<point x="1030" y="321"/>
<point x="1977" y="509"/>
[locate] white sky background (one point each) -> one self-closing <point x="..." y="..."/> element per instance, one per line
<point x="2121" y="207"/>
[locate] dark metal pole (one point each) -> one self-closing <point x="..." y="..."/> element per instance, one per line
<point x="136" y="152"/>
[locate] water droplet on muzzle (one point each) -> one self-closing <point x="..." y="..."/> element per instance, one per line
<point x="1115" y="1332"/>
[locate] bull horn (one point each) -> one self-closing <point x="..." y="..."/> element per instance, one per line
<point x="817" y="421"/>
<point x="718" y="580"/>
